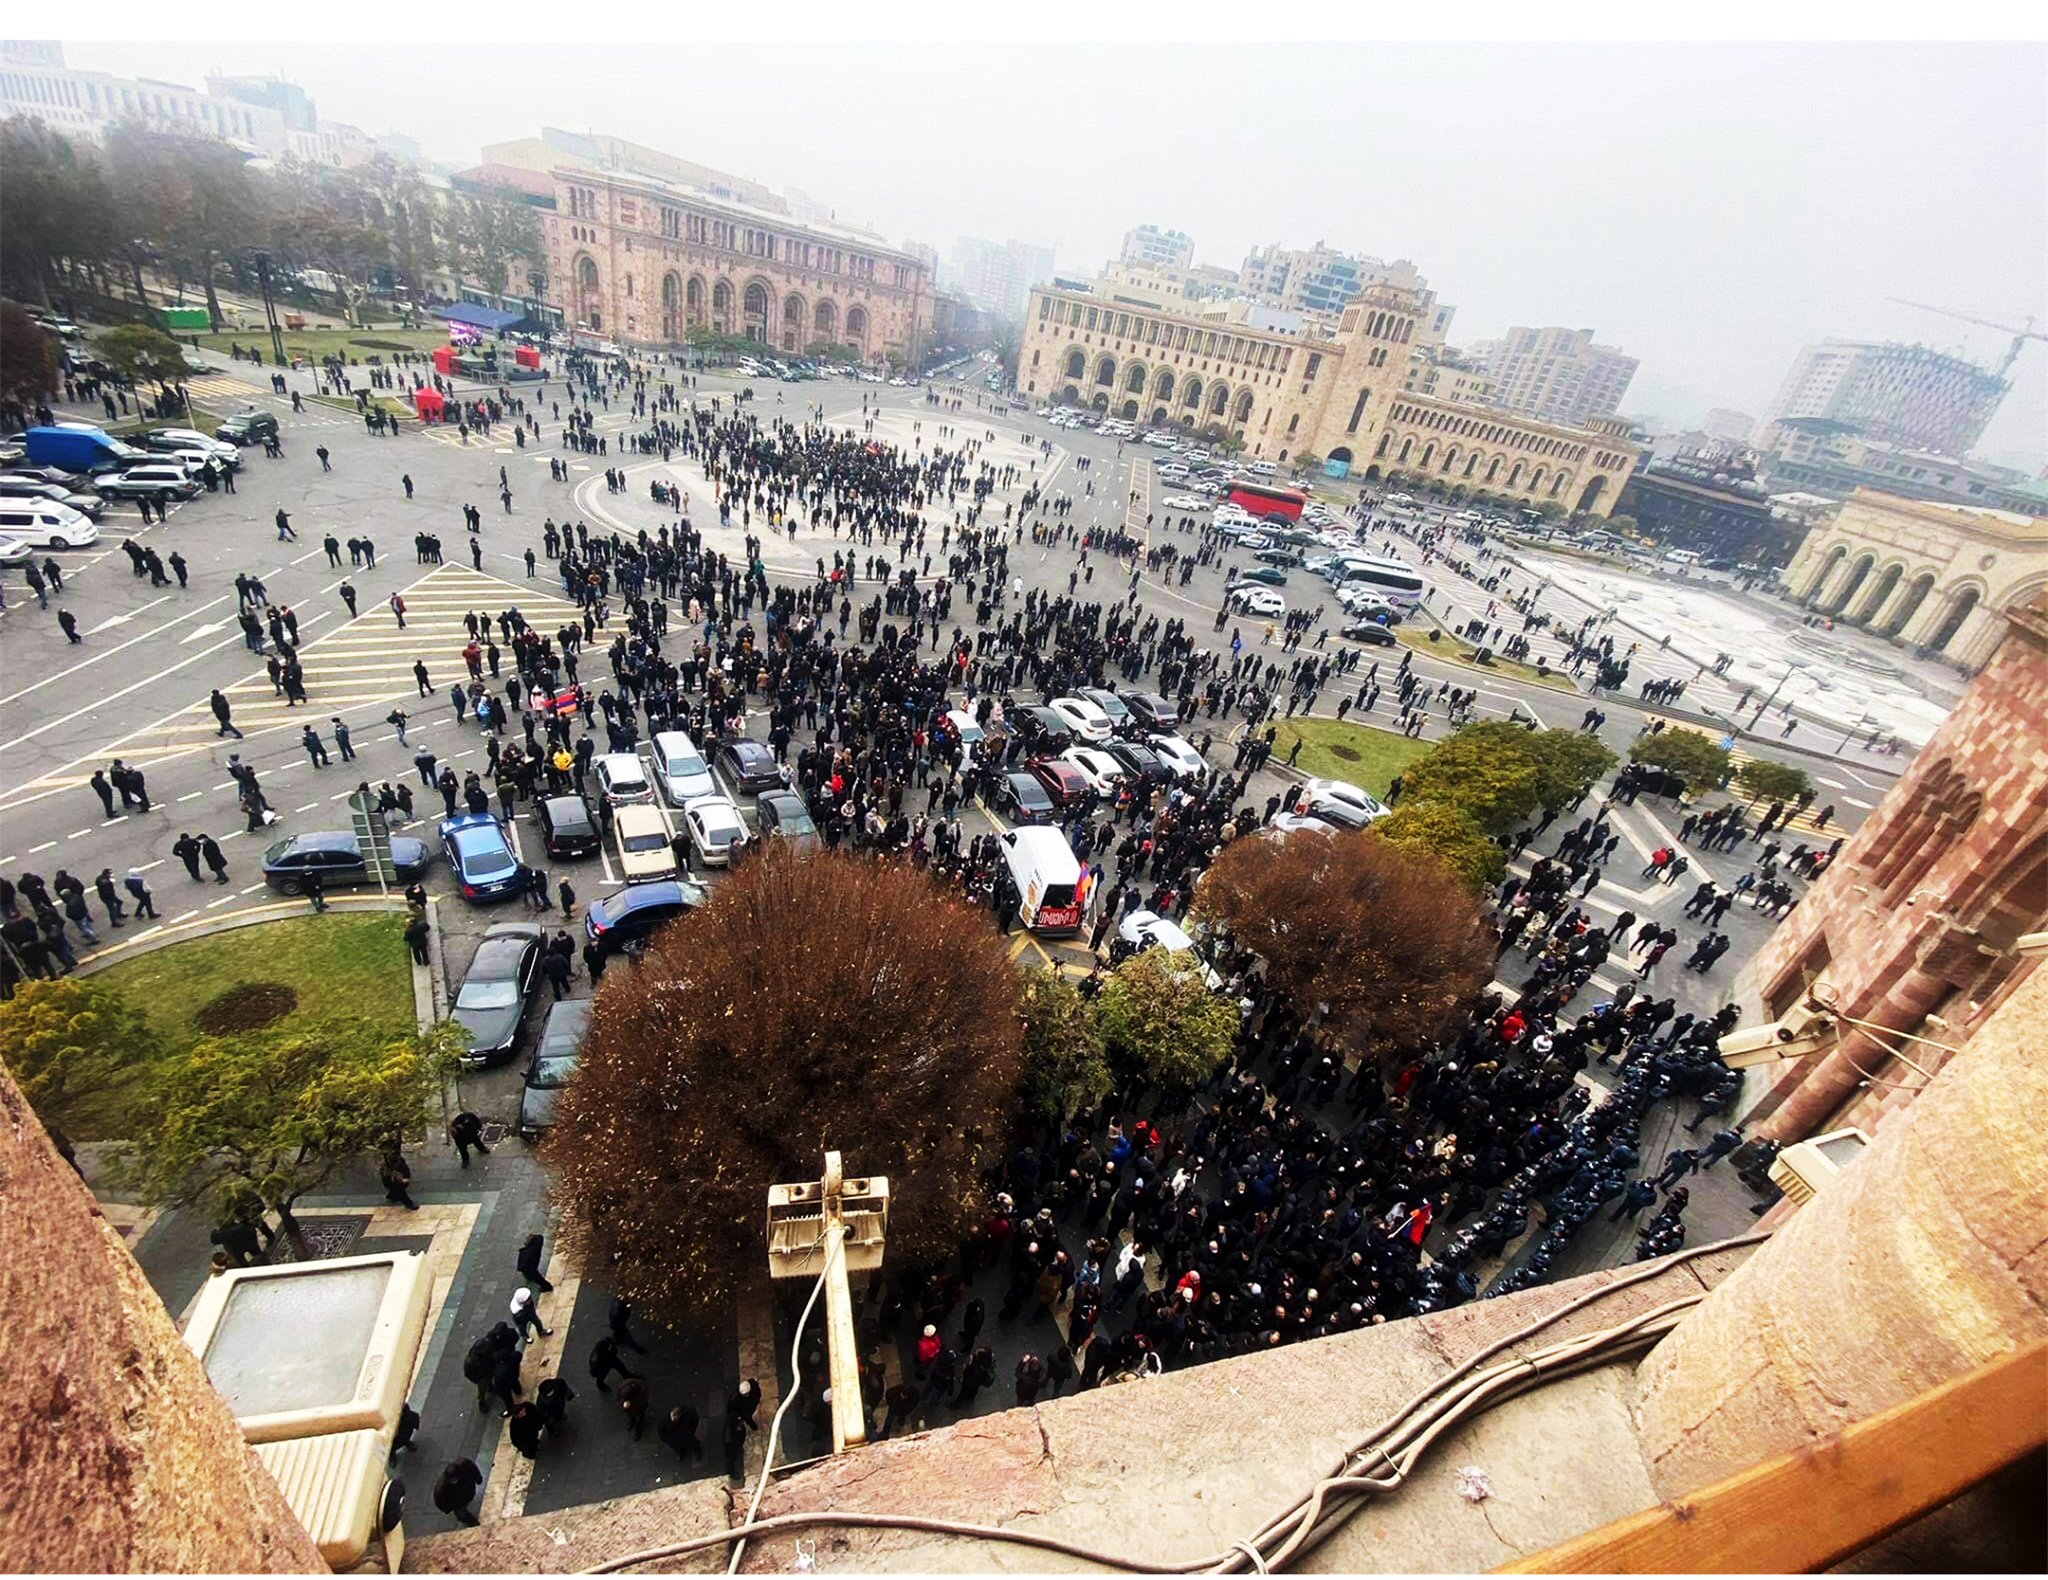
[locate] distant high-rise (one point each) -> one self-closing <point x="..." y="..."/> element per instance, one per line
<point x="1173" y="249"/>
<point x="1560" y="375"/>
<point x="997" y="275"/>
<point x="1901" y="394"/>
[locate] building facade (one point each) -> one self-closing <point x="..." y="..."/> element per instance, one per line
<point x="1329" y="391"/>
<point x="1903" y="394"/>
<point x="644" y="260"/>
<point x="1560" y="375"/>
<point x="88" y="103"/>
<point x="1936" y="578"/>
<point x="997" y="275"/>
<point x="1691" y="507"/>
<point x="1914" y="927"/>
<point x="1829" y="457"/>
<point x="1174" y="249"/>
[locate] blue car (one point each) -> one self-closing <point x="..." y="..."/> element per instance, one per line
<point x="623" y="922"/>
<point x="481" y="857"/>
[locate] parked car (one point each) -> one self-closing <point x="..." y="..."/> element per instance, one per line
<point x="33" y="490"/>
<point x="1102" y="771"/>
<point x="156" y="482"/>
<point x="1021" y="798"/>
<point x="1109" y="702"/>
<point x="716" y="832"/>
<point x="338" y="858"/>
<point x="680" y="768"/>
<point x="1285" y="823"/>
<point x="554" y="1061"/>
<point x="1178" y="755"/>
<point x="1061" y="780"/>
<point x="641" y="841"/>
<point x="247" y="427"/>
<point x="1084" y="718"/>
<point x="480" y="855"/>
<point x="1340" y="801"/>
<point x="491" y="1003"/>
<point x="45" y="523"/>
<point x="1139" y="762"/>
<point x="567" y="829"/>
<point x="621" y="780"/>
<point x="1150" y="711"/>
<point x="750" y="767"/>
<point x="1264" y="575"/>
<point x="783" y="815"/>
<point x="1261" y="601"/>
<point x="625" y="920"/>
<point x="1371" y="633"/>
<point x="1041" y="730"/>
<point x="180" y="441"/>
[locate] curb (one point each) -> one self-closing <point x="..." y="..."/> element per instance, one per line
<point x="251" y="916"/>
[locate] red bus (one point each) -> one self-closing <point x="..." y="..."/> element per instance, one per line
<point x="1267" y="502"/>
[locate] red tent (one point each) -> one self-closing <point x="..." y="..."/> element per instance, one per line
<point x="526" y="357"/>
<point x="429" y="404"/>
<point x="444" y="360"/>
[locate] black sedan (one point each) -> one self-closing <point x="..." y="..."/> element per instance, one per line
<point x="1371" y="633"/>
<point x="1043" y="731"/>
<point x="554" y="1061"/>
<point x="491" y="1004"/>
<point x="1023" y="799"/>
<point x="783" y="815"/>
<point x="566" y="827"/>
<point x="1265" y="575"/>
<point x="1150" y="711"/>
<point x="1140" y="762"/>
<point x="749" y="767"/>
<point x="338" y="859"/>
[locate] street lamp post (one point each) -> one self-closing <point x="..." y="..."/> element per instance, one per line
<point x="538" y="282"/>
<point x="1765" y="706"/>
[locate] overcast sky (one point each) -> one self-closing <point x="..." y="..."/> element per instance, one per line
<point x="1708" y="208"/>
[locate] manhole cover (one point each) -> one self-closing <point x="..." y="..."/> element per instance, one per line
<point x="325" y="1237"/>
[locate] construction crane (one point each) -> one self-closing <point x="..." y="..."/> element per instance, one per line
<point x="2020" y="334"/>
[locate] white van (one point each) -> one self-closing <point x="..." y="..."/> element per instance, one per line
<point x="1264" y="468"/>
<point x="46" y="524"/>
<point x="1048" y="879"/>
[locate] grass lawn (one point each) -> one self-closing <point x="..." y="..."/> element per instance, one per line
<point x="314" y="344"/>
<point x="339" y="965"/>
<point x="347" y="404"/>
<point x="1454" y="651"/>
<point x="1334" y="749"/>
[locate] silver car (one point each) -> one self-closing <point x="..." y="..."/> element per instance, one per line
<point x="680" y="767"/>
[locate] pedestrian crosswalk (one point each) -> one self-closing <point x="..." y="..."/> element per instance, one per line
<point x="364" y="665"/>
<point x="1806" y="822"/>
<point x="223" y="387"/>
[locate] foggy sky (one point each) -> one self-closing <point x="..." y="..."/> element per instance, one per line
<point x="1708" y="208"/>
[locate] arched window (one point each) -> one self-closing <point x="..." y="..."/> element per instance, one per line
<point x="857" y="328"/>
<point x="671" y="306"/>
<point x="1244" y="406"/>
<point x="1105" y="371"/>
<point x="1909" y="605"/>
<point x="1838" y="600"/>
<point x="1077" y="365"/>
<point x="1191" y="394"/>
<point x="721" y="307"/>
<point x="1163" y="389"/>
<point x="1219" y="400"/>
<point x="795" y="319"/>
<point x="693" y="299"/>
<point x="1134" y="379"/>
<point x="825" y="321"/>
<point x="1958" y="611"/>
<point x="754" y="311"/>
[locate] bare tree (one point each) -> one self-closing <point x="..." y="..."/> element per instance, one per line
<point x="814" y="1001"/>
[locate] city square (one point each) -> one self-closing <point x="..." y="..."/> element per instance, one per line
<point x="806" y="872"/>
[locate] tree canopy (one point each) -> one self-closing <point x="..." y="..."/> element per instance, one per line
<point x="140" y="354"/>
<point x="28" y="357"/>
<point x="1701" y="763"/>
<point x="1442" y="830"/>
<point x="1161" y="1024"/>
<point x="249" y="1123"/>
<point x="1379" y="933"/>
<point x="64" y="1038"/>
<point x="1484" y="770"/>
<point x="1064" y="1066"/>
<point x="1764" y="780"/>
<point x="814" y="1001"/>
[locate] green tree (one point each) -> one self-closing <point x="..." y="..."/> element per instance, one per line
<point x="1567" y="761"/>
<point x="28" y="358"/>
<point x="192" y="198"/>
<point x="1492" y="779"/>
<point x="1447" y="832"/>
<point x="258" y="1121"/>
<point x="1064" y="1067"/>
<point x="1162" y="1025"/>
<point x="63" y="1039"/>
<point x="1763" y="780"/>
<point x="490" y="234"/>
<point x="59" y="220"/>
<point x="1701" y="763"/>
<point x="141" y="352"/>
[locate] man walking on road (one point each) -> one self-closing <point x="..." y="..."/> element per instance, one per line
<point x="316" y="750"/>
<point x="348" y="752"/>
<point x="397" y="610"/>
<point x="284" y="527"/>
<point x="348" y="596"/>
<point x="224" y="713"/>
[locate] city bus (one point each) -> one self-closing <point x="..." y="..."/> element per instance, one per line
<point x="1394" y="580"/>
<point x="1265" y="501"/>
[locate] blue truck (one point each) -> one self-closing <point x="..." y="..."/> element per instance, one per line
<point x="79" y="449"/>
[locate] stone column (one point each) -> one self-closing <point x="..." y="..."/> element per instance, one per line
<point x="120" y="1456"/>
<point x="1925" y="1259"/>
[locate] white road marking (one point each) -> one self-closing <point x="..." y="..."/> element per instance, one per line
<point x="194" y="795"/>
<point x="49" y="680"/>
<point x="309" y="806"/>
<point x="80" y="834"/>
<point x="122" y="619"/>
<point x="37" y="850"/>
<point x="225" y="899"/>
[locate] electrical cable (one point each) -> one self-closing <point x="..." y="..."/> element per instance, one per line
<point x="1401" y="1440"/>
<point x="796" y="1382"/>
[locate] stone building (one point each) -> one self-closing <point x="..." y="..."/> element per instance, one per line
<point x="642" y="259"/>
<point x="1916" y="927"/>
<point x="1929" y="576"/>
<point x="1330" y="389"/>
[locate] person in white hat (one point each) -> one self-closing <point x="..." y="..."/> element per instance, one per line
<point x="525" y="1314"/>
